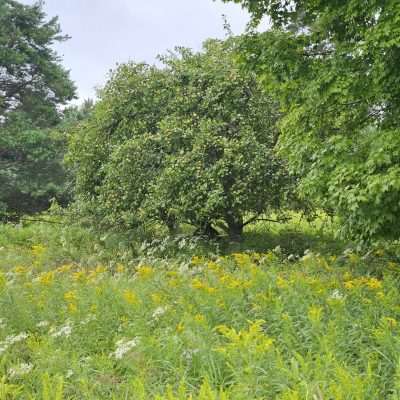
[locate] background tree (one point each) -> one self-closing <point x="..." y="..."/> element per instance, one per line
<point x="192" y="142"/>
<point x="33" y="86"/>
<point x="334" y="66"/>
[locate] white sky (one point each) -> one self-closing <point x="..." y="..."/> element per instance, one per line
<point x="105" y="32"/>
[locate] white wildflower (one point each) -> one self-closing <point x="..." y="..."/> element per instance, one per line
<point x="12" y="339"/>
<point x="69" y="373"/>
<point x="62" y="331"/>
<point x="336" y="295"/>
<point x="123" y="346"/>
<point x="16" y="338"/>
<point x="348" y="251"/>
<point x="88" y="319"/>
<point x="158" y="312"/>
<point x="21" y="369"/>
<point x="43" y="324"/>
<point x="277" y="250"/>
<point x="188" y="354"/>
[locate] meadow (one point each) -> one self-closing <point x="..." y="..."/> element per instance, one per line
<point x="83" y="317"/>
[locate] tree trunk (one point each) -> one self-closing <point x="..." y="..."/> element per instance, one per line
<point x="235" y="227"/>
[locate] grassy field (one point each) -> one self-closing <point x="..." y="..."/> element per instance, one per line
<point x="83" y="317"/>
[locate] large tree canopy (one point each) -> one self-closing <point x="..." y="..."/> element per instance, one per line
<point x="33" y="86"/>
<point x="335" y="67"/>
<point x="191" y="142"/>
<point x="31" y="76"/>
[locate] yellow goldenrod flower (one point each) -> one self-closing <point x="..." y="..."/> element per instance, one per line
<point x="241" y="259"/>
<point x="211" y="290"/>
<point x="145" y="271"/>
<point x="19" y="269"/>
<point x="79" y="275"/>
<point x="198" y="284"/>
<point x="200" y="318"/>
<point x="349" y="285"/>
<point x="38" y="250"/>
<point x="374" y="283"/>
<point x="46" y="278"/>
<point x="120" y="268"/>
<point x="72" y="308"/>
<point x="100" y="269"/>
<point x="70" y="296"/>
<point x="281" y="282"/>
<point x="197" y="260"/>
<point x="315" y="313"/>
<point x="130" y="297"/>
<point x="65" y="268"/>
<point x="180" y="327"/>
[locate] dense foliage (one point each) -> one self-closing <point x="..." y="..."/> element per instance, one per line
<point x="32" y="79"/>
<point x="190" y="143"/>
<point x="33" y="85"/>
<point x="76" y="324"/>
<point x="334" y="66"/>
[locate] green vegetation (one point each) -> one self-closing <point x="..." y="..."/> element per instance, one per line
<point x="33" y="86"/>
<point x="333" y="65"/>
<point x="251" y="325"/>
<point x="225" y="225"/>
<point x="198" y="136"/>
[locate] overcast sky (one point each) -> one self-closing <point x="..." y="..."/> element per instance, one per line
<point x="105" y="32"/>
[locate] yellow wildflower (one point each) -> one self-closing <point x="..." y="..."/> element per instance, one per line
<point x="380" y="295"/>
<point x="221" y="303"/>
<point x="70" y="295"/>
<point x="46" y="278"/>
<point x="391" y="322"/>
<point x="285" y="316"/>
<point x="19" y="269"/>
<point x="180" y="327"/>
<point x="197" y="260"/>
<point x="38" y="250"/>
<point x="347" y="276"/>
<point x="100" y="269"/>
<point x="174" y="282"/>
<point x="241" y="259"/>
<point x="315" y="313"/>
<point x="374" y="283"/>
<point x="79" y="275"/>
<point x="130" y="297"/>
<point x="72" y="308"/>
<point x="349" y="285"/>
<point x="120" y="268"/>
<point x="64" y="268"/>
<point x="200" y="318"/>
<point x="145" y="271"/>
<point x="281" y="282"/>
<point x="156" y="298"/>
<point x="198" y="284"/>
